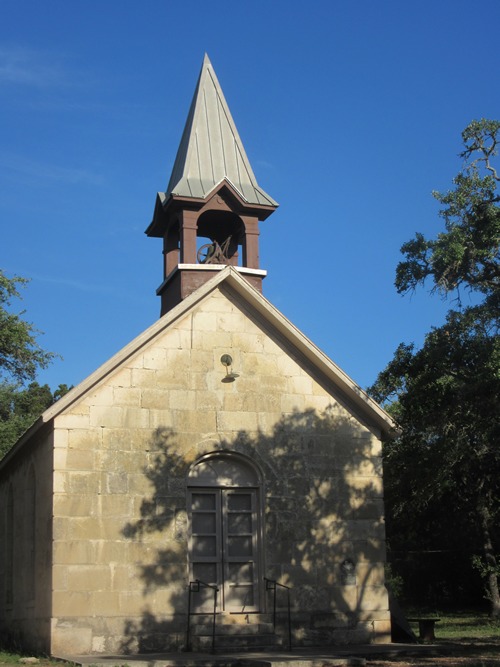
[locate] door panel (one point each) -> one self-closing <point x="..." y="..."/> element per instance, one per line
<point x="224" y="547"/>
<point x="240" y="549"/>
<point x="205" y="563"/>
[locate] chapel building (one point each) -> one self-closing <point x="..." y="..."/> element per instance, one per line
<point x="218" y="460"/>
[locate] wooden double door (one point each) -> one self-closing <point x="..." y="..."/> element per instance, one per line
<point x="224" y="547"/>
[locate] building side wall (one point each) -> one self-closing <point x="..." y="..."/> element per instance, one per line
<point x="25" y="574"/>
<point x="121" y="459"/>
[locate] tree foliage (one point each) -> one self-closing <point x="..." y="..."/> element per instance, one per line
<point x="20" y="407"/>
<point x="445" y="465"/>
<point x="20" y="358"/>
<point x="20" y="354"/>
<point x="466" y="254"/>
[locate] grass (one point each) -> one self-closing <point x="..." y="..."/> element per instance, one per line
<point x="11" y="658"/>
<point x="8" y="658"/>
<point x="463" y="627"/>
<point x="468" y="639"/>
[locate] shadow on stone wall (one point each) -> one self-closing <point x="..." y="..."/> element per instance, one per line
<point x="323" y="508"/>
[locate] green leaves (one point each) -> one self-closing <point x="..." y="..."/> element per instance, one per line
<point x="481" y="137"/>
<point x="20" y="358"/>
<point x="20" y="354"/>
<point x="19" y="408"/>
<point x="467" y="254"/>
<point x="446" y="395"/>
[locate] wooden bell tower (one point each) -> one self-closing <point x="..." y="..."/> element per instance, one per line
<point x="209" y="215"/>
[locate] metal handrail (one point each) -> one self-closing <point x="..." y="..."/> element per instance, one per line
<point x="194" y="587"/>
<point x="271" y="585"/>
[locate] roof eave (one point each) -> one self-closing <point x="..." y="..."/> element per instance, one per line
<point x="164" y="203"/>
<point x="356" y="395"/>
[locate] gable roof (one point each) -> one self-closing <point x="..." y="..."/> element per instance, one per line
<point x="211" y="150"/>
<point x="345" y="389"/>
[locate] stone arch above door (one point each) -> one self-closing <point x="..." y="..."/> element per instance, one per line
<point x="224" y="469"/>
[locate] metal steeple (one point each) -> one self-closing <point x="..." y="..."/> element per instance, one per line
<point x="209" y="215"/>
<point x="211" y="150"/>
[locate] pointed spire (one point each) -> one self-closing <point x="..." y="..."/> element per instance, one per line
<point x="212" y="195"/>
<point x="211" y="149"/>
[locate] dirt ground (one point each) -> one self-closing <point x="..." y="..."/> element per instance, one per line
<point x="472" y="653"/>
<point x="447" y="654"/>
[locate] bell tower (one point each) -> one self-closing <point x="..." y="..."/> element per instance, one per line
<point x="209" y="215"/>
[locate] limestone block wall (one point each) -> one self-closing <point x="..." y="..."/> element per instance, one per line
<point x="121" y="458"/>
<point x="26" y="547"/>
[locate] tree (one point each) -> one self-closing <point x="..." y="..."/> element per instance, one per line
<point x="20" y="354"/>
<point x="20" y="358"/>
<point x="20" y="407"/>
<point x="446" y="396"/>
<point x="444" y="469"/>
<point x="467" y="253"/>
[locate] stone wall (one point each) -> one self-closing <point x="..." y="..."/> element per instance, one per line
<point x="25" y="573"/>
<point x="121" y="458"/>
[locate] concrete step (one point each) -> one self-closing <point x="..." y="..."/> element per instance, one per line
<point x="223" y="618"/>
<point x="225" y="629"/>
<point x="234" y="643"/>
<point x="234" y="632"/>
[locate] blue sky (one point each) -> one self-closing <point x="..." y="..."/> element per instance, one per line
<point x="350" y="113"/>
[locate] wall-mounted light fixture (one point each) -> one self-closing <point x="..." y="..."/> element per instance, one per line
<point x="227" y="361"/>
<point x="347" y="572"/>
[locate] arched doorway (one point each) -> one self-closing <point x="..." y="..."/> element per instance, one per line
<point x="225" y="531"/>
